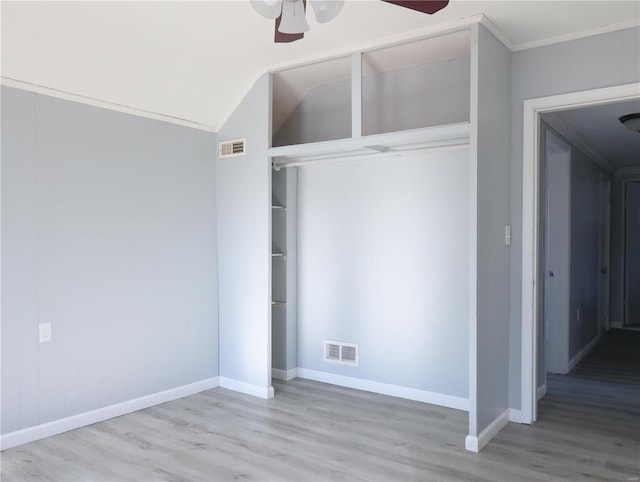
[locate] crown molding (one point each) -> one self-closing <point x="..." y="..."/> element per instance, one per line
<point x="577" y="140"/>
<point x="576" y="35"/>
<point x="627" y="171"/>
<point x="61" y="94"/>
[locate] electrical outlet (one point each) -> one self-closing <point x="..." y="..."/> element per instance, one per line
<point x="45" y="332"/>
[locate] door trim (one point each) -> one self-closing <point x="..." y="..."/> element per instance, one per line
<point x="532" y="110"/>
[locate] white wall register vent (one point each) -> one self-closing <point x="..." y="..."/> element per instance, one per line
<point x="341" y="353"/>
<point x="233" y="148"/>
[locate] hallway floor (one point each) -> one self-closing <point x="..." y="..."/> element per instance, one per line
<point x="608" y="377"/>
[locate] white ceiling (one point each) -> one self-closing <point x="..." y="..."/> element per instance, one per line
<point x="196" y="60"/>
<point x="599" y="128"/>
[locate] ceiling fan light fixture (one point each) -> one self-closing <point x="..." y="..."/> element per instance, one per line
<point x="293" y="17"/>
<point x="326" y="10"/>
<point x="631" y="121"/>
<point x="268" y="8"/>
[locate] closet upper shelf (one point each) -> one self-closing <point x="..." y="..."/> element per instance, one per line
<point x="411" y="84"/>
<point x="378" y="145"/>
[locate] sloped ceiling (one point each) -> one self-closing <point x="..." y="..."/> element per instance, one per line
<point x="196" y="60"/>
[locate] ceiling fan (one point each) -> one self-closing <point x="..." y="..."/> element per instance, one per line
<point x="290" y="14"/>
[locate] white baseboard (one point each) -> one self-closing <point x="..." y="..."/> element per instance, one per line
<point x="475" y="444"/>
<point x="541" y="391"/>
<point x="582" y="353"/>
<point x="248" y="388"/>
<point x="515" y="415"/>
<point x="285" y="375"/>
<point x="73" y="422"/>
<point x="434" y="398"/>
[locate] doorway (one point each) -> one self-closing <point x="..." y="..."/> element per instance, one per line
<point x="533" y="109"/>
<point x="574" y="263"/>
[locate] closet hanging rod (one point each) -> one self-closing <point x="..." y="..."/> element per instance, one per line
<point x="284" y="163"/>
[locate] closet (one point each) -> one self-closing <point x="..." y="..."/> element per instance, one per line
<point x="390" y="200"/>
<point x="389" y="103"/>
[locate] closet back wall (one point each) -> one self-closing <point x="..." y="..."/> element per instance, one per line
<point x="411" y="98"/>
<point x="383" y="261"/>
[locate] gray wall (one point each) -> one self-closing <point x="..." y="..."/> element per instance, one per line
<point x="577" y="283"/>
<point x="244" y="248"/>
<point x="589" y="63"/>
<point x="323" y="115"/>
<point x="383" y="261"/>
<point x="632" y="254"/>
<point x="585" y="242"/>
<point x="617" y="245"/>
<point x="493" y="257"/>
<point x="424" y="96"/>
<point x="108" y="232"/>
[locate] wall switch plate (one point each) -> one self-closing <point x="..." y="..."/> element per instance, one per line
<point x="45" y="332"/>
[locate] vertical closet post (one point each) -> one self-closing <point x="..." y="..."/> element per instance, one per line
<point x="356" y="95"/>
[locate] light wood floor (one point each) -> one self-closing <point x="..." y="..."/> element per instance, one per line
<point x="314" y="431"/>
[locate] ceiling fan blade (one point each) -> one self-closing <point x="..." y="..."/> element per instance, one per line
<point x="424" y="6"/>
<point x="288" y="37"/>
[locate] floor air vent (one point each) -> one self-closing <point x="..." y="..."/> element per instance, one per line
<point x="341" y="353"/>
<point x="231" y="148"/>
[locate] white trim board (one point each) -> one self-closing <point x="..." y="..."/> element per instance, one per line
<point x="582" y="353"/>
<point x="247" y="388"/>
<point x="285" y="375"/>
<point x="532" y="110"/>
<point x="475" y="444"/>
<point x="433" y="398"/>
<point x="31" y="434"/>
<point x="515" y="415"/>
<point x="103" y="104"/>
<point x="541" y="391"/>
<point x="628" y="171"/>
<point x="578" y="141"/>
<point x="575" y="35"/>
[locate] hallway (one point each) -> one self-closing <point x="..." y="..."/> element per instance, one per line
<point x="608" y="377"/>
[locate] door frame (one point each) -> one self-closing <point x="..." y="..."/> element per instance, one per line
<point x="532" y="110"/>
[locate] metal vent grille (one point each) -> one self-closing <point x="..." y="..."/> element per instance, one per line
<point x="332" y="352"/>
<point x="348" y="354"/>
<point x="232" y="148"/>
<point x="341" y="353"/>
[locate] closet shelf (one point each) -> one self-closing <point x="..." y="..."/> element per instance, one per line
<point x="282" y="208"/>
<point x="279" y="304"/>
<point x="377" y="145"/>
